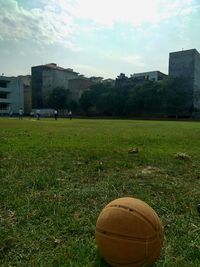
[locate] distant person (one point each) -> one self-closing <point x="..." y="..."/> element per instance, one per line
<point x="55" y="114"/>
<point x="38" y="114"/>
<point x="11" y="113"/>
<point x="31" y="115"/>
<point x="20" y="113"/>
<point x="70" y="114"/>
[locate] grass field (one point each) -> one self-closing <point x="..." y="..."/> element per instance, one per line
<point x="56" y="176"/>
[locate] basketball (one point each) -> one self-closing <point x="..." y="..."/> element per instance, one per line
<point x="129" y="233"/>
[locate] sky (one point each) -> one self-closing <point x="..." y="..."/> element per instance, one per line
<point x="96" y="37"/>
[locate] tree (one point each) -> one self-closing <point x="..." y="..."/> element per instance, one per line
<point x="178" y="96"/>
<point x="145" y="99"/>
<point x="86" y="101"/>
<point x="90" y="98"/>
<point x="170" y="97"/>
<point x="120" y="97"/>
<point x="59" y="98"/>
<point x="105" y="104"/>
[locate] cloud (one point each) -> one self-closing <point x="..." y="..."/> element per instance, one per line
<point x="107" y="13"/>
<point x="47" y="24"/>
<point x="61" y="21"/>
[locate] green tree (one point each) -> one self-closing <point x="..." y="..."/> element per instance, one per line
<point x="59" y="98"/>
<point x="170" y="97"/>
<point x="120" y="97"/>
<point x="145" y="99"/>
<point x="178" y="94"/>
<point x="90" y="98"/>
<point x="86" y="101"/>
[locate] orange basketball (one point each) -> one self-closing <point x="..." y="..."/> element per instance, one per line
<point x="129" y="233"/>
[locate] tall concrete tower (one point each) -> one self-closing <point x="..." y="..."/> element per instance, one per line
<point x="186" y="64"/>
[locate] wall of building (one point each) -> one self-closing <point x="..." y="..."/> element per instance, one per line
<point x="5" y="91"/>
<point x="181" y="63"/>
<point x="27" y="93"/>
<point x="78" y="86"/>
<point x="187" y="64"/>
<point x="139" y="78"/>
<point x="36" y="86"/>
<point x="52" y="79"/>
<point x="45" y="78"/>
<point x="150" y="75"/>
<point x="14" y="95"/>
<point x="197" y="82"/>
<point x="17" y="94"/>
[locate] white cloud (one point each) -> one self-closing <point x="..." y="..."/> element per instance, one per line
<point x="108" y="12"/>
<point x="60" y="21"/>
<point x="43" y="25"/>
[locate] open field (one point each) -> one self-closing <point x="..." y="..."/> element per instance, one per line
<point x="56" y="176"/>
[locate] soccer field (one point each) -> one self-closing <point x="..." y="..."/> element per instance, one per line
<point x="56" y="176"/>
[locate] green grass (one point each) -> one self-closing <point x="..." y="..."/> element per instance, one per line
<point x="56" y="176"/>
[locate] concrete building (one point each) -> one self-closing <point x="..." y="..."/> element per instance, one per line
<point x="81" y="84"/>
<point x="95" y="79"/>
<point x="78" y="86"/>
<point x="150" y="75"/>
<point x="122" y="80"/>
<point x="138" y="78"/>
<point x="109" y="81"/>
<point x="11" y="95"/>
<point x="45" y="78"/>
<point x="27" y="93"/>
<point x="186" y="64"/>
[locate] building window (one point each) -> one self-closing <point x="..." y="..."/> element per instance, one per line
<point x="3" y="84"/>
<point x="3" y="95"/>
<point x="4" y="106"/>
<point x="140" y="78"/>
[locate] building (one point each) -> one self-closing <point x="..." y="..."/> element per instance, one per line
<point x="47" y="77"/>
<point x="186" y="64"/>
<point x="81" y="84"/>
<point x="95" y="79"/>
<point x="138" y="78"/>
<point x="122" y="80"/>
<point x="11" y="95"/>
<point x="150" y="75"/>
<point x="109" y="81"/>
<point x="78" y="86"/>
<point x="27" y="93"/>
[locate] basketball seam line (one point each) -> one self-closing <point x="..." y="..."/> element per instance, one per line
<point x="132" y="211"/>
<point x="126" y="237"/>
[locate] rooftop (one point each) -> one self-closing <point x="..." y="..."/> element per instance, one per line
<point x="186" y="51"/>
<point x="54" y="66"/>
